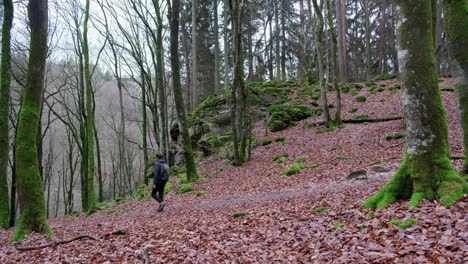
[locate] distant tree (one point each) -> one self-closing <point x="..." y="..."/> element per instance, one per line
<point x="334" y="63"/>
<point x="5" y="83"/>
<point x="426" y="171"/>
<point x="30" y="190"/>
<point x="456" y="23"/>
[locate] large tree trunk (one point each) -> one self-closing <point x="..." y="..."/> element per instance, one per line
<point x="226" y="44"/>
<point x="190" y="166"/>
<point x="91" y="206"/>
<point x="195" y="88"/>
<point x="323" y="89"/>
<point x="456" y="24"/>
<point x="426" y="171"/>
<point x="4" y="110"/>
<point x="277" y="41"/>
<point x="216" y="44"/>
<point x="382" y="42"/>
<point x="334" y="63"/>
<point x="237" y="46"/>
<point x="341" y="22"/>
<point x="368" y="38"/>
<point x="30" y="191"/>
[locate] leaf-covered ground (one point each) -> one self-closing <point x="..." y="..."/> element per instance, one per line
<point x="254" y="214"/>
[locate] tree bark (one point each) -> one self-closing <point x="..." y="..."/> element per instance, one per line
<point x="216" y="44"/>
<point x="319" y="47"/>
<point x="190" y="166"/>
<point x="30" y="191"/>
<point x="91" y="206"/>
<point x="195" y="88"/>
<point x="341" y="22"/>
<point x="426" y="171"/>
<point x="226" y="44"/>
<point x="456" y="24"/>
<point x="368" y="39"/>
<point x="334" y="63"/>
<point x="5" y="83"/>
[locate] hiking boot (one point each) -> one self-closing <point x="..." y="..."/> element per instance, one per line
<point x="161" y="206"/>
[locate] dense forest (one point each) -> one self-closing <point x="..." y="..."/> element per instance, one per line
<point x="240" y="98"/>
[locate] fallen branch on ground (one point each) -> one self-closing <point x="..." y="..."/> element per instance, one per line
<point x="66" y="241"/>
<point x="360" y="121"/>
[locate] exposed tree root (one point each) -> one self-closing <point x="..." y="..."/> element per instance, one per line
<point x="66" y="241"/>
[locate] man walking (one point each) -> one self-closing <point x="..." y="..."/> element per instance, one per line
<point x="161" y="176"/>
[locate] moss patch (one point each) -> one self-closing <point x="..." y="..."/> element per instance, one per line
<point x="361" y="99"/>
<point x="405" y="224"/>
<point x="320" y="209"/>
<point x="184" y="188"/>
<point x="239" y="214"/>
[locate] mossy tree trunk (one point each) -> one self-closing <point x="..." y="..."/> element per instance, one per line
<point x="456" y="23"/>
<point x="30" y="191"/>
<point x="334" y="62"/>
<point x="323" y="88"/>
<point x="91" y="200"/>
<point x="236" y="116"/>
<point x="426" y="171"/>
<point x="174" y="14"/>
<point x="4" y="110"/>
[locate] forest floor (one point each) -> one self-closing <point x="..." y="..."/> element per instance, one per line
<point x="254" y="214"/>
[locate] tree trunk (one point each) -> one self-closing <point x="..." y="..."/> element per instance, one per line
<point x="456" y="24"/>
<point x="439" y="30"/>
<point x="368" y="39"/>
<point x="323" y="88"/>
<point x="237" y="46"/>
<point x="226" y="44"/>
<point x="334" y="63"/>
<point x="341" y="22"/>
<point x="382" y="42"/>
<point x="5" y="82"/>
<point x="216" y="44"/>
<point x="176" y="86"/>
<point x="91" y="206"/>
<point x="426" y="171"/>
<point x="283" y="40"/>
<point x="160" y="82"/>
<point x="277" y="40"/>
<point x="195" y="88"/>
<point x="30" y="191"/>
<point x="144" y="124"/>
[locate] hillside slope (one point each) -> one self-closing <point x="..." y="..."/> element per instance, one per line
<point x="255" y="214"/>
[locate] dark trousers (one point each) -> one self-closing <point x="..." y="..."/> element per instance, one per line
<point x="158" y="191"/>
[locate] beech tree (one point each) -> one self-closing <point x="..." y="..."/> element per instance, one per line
<point x="173" y="15"/>
<point x="426" y="171"/>
<point x="5" y="82"/>
<point x="30" y="192"/>
<point x="456" y="23"/>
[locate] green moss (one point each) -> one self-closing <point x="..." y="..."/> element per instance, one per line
<point x="392" y="136"/>
<point x="266" y="142"/>
<point x="370" y="214"/>
<point x="239" y="214"/>
<point x="386" y="76"/>
<point x="315" y="165"/>
<point x="310" y="125"/>
<point x="361" y="99"/>
<point x="281" y="158"/>
<point x="371" y="84"/>
<point x="345" y="88"/>
<point x="142" y="192"/>
<point x="358" y="87"/>
<point x="201" y="193"/>
<point x="362" y="117"/>
<point x="277" y="125"/>
<point x="280" y="140"/>
<point x="353" y="110"/>
<point x="184" y="188"/>
<point x="354" y="93"/>
<point x="320" y="209"/>
<point x="295" y="168"/>
<point x="337" y="225"/>
<point x="405" y="224"/>
<point x="315" y="96"/>
<point x="394" y="88"/>
<point x="168" y="187"/>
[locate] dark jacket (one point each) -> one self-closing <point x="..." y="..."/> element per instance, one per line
<point x="159" y="171"/>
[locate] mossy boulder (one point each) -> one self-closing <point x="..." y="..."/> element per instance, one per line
<point x="283" y="116"/>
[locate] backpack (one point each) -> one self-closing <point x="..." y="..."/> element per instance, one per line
<point x="164" y="171"/>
